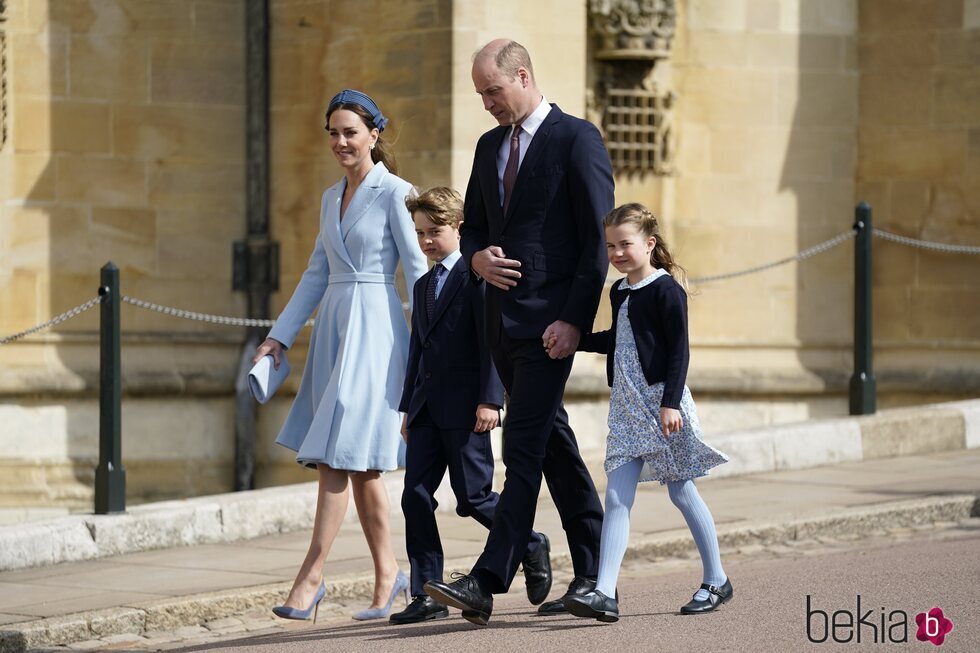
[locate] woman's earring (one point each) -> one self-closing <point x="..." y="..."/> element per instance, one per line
<point x="372" y="146"/>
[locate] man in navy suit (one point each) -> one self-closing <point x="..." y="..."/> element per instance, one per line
<point x="452" y="398"/>
<point x="540" y="186"/>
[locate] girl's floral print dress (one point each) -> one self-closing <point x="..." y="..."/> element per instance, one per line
<point x="634" y="416"/>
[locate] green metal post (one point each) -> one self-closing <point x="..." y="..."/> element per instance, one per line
<point x="110" y="477"/>
<point x="863" y="387"/>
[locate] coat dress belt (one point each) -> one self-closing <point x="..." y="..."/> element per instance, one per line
<point x="361" y="277"/>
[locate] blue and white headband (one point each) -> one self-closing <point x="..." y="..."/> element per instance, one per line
<point x="350" y="96"/>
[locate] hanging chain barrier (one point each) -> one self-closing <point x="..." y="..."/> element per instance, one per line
<point x="805" y="254"/>
<point x="67" y="315"/>
<point x="925" y="244"/>
<point x="248" y="322"/>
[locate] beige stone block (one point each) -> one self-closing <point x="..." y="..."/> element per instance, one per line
<point x="300" y="135"/>
<point x="959" y="48"/>
<point x="219" y="19"/>
<point x="878" y="195"/>
<point x="196" y="72"/>
<point x="911" y="200"/>
<point x="817" y="99"/>
<point x="901" y="152"/>
<point x="109" y="67"/>
<point x="898" y="50"/>
<point x="731" y="151"/>
<point x="892" y="312"/>
<point x="178" y="132"/>
<point x="762" y="15"/>
<point x="409" y="64"/>
<point x="109" y="182"/>
<point x="795" y="51"/>
<point x="420" y="124"/>
<point x="727" y="97"/>
<point x="70" y="243"/>
<point x="37" y="63"/>
<point x="836" y="16"/>
<point x="901" y="433"/>
<point x="694" y="149"/>
<point x="726" y="49"/>
<point x="174" y="185"/>
<point x="27" y="176"/>
<point x="725" y="15"/>
<point x="19" y="307"/>
<point x="315" y="20"/>
<point x="895" y="15"/>
<point x="58" y="126"/>
<point x="948" y="273"/>
<point x="123" y="17"/>
<point x="414" y="15"/>
<point x="945" y="313"/>
<point x="973" y="154"/>
<point x="971" y="14"/>
<point x="897" y="97"/>
<point x="957" y="97"/>
<point x="133" y="224"/>
<point x="304" y="73"/>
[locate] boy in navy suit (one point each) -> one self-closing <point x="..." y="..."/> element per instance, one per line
<point x="451" y="400"/>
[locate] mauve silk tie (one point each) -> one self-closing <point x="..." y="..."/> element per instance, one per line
<point x="513" y="163"/>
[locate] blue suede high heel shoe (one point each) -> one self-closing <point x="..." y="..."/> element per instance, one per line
<point x="303" y="615"/>
<point x="400" y="586"/>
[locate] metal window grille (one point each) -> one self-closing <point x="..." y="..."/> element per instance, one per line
<point x="635" y="125"/>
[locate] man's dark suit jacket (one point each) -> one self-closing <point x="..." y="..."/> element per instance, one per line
<point x="563" y="188"/>
<point x="449" y="367"/>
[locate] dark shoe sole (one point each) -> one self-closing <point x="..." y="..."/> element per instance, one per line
<point x="478" y="617"/>
<point x="418" y="620"/>
<point x="580" y="609"/>
<point x="552" y="609"/>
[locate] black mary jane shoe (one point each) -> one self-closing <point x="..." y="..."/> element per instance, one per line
<point x="594" y="605"/>
<point x="716" y="596"/>
<point x="422" y="608"/>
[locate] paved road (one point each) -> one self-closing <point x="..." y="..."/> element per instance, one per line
<point x="908" y="571"/>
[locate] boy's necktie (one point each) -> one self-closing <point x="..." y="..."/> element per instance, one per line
<point x="430" y="289"/>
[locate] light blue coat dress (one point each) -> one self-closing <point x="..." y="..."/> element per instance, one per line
<point x="345" y="414"/>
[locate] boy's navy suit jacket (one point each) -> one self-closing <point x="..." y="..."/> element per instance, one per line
<point x="450" y="370"/>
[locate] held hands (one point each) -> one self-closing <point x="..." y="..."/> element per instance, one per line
<point x="560" y="339"/>
<point x="270" y="347"/>
<point x="486" y="418"/>
<point x="670" y="420"/>
<point x="498" y="271"/>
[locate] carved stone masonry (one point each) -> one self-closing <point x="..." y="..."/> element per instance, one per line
<point x="631" y="107"/>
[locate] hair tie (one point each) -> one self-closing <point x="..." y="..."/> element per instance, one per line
<point x="350" y="96"/>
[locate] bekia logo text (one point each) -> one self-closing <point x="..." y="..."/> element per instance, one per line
<point x="874" y="626"/>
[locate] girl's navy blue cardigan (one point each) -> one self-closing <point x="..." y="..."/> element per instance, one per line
<point x="658" y="317"/>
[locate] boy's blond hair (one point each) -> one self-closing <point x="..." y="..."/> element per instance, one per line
<point x="440" y="204"/>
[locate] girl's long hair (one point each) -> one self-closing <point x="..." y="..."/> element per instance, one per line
<point x="647" y="224"/>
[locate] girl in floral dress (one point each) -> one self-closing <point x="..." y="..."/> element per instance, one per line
<point x="654" y="432"/>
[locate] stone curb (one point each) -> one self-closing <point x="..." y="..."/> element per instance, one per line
<point x="243" y="515"/>
<point x="195" y="610"/>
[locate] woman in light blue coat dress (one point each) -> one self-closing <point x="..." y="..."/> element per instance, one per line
<point x="344" y="420"/>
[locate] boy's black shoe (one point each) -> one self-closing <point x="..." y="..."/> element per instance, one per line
<point x="595" y="605"/>
<point x="464" y="593"/>
<point x="716" y="597"/>
<point x="422" y="608"/>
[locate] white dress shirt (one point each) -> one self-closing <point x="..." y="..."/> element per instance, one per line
<point x="527" y="130"/>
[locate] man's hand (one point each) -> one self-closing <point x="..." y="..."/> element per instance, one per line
<point x="486" y="418"/>
<point x="404" y="430"/>
<point x="670" y="420"/>
<point x="271" y="347"/>
<point x="561" y="339"/>
<point x="499" y="271"/>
